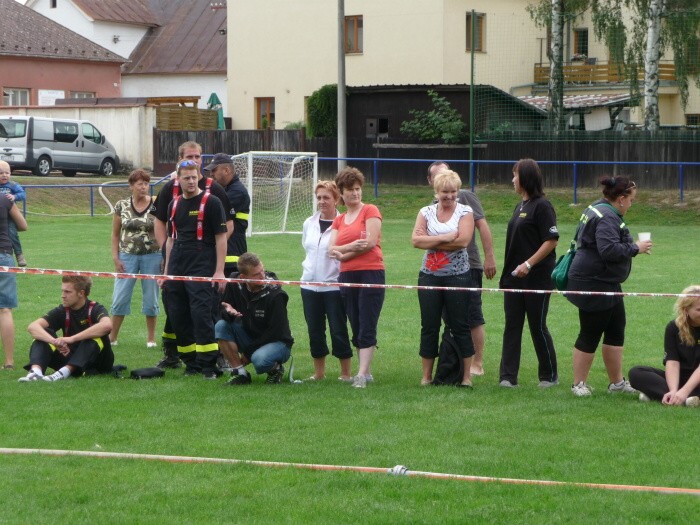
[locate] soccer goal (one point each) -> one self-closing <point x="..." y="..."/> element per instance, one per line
<point x="281" y="187"/>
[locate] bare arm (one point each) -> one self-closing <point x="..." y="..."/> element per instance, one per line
<point x="229" y="228"/>
<point x="545" y="249"/>
<point x="116" y="231"/>
<point x="160" y="232"/>
<point x="100" y="328"/>
<point x="673" y="375"/>
<point x="464" y="237"/>
<point x="19" y="219"/>
<point x="220" y="260"/>
<point x="37" y="329"/>
<point x="487" y="244"/>
<point x="421" y="240"/>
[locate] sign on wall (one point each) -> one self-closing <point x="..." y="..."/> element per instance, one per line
<point x="47" y="97"/>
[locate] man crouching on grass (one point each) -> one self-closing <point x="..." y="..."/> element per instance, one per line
<point x="84" y="346"/>
<point x="254" y="327"/>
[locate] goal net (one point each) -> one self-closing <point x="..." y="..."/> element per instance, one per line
<point x="281" y="187"/>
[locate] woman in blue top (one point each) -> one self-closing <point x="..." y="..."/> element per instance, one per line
<point x="444" y="230"/>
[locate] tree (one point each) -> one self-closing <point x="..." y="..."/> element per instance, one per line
<point x="655" y="28"/>
<point x="442" y="123"/>
<point x="322" y="108"/>
<point x="552" y="14"/>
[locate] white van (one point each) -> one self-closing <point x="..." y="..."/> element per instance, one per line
<point x="43" y="144"/>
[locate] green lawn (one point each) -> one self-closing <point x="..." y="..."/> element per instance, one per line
<point x="522" y="433"/>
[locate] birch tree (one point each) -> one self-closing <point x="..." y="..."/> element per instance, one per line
<point x="656" y="9"/>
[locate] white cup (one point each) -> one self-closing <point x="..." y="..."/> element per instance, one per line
<point x="644" y="236"/>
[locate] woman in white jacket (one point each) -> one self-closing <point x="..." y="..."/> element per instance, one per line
<point x="324" y="302"/>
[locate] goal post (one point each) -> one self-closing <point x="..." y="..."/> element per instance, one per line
<point x="281" y="188"/>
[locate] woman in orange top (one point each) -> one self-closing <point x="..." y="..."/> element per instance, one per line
<point x="355" y="242"/>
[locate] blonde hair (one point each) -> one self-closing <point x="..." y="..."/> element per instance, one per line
<point x="330" y="187"/>
<point x="446" y="178"/>
<point x="681" y="308"/>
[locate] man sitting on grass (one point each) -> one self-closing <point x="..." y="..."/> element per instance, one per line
<point x="254" y="327"/>
<point x="84" y="345"/>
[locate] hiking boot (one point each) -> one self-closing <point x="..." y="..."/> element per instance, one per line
<point x="692" y="402"/>
<point x="506" y="384"/>
<point x="275" y="375"/>
<point x="238" y="380"/>
<point x="623" y="386"/>
<point x="21" y="261"/>
<point x="169" y="361"/>
<point x="581" y="389"/>
<point x="359" y="381"/>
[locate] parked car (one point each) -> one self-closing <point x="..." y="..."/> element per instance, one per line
<point x="43" y="144"/>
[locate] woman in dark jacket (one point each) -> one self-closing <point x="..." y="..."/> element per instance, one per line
<point x="602" y="263"/>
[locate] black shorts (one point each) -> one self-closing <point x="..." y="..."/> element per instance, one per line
<point x="610" y="322"/>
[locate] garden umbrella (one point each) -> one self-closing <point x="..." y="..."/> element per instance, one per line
<point x="215" y="103"/>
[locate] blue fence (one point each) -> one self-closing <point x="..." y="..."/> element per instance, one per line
<point x="572" y="165"/>
<point x="470" y="166"/>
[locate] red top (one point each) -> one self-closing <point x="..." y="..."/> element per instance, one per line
<point x="347" y="233"/>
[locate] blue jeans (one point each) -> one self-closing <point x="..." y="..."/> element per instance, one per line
<point x="264" y="358"/>
<point x="319" y="306"/>
<point x="148" y="264"/>
<point x="8" y="282"/>
<point x="14" y="236"/>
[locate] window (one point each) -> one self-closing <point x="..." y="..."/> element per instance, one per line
<point x="265" y="113"/>
<point x="15" y="97"/>
<point x="65" y="131"/>
<point x="581" y="42"/>
<point x="479" y="26"/>
<point x="82" y="94"/>
<point x="91" y="133"/>
<point x="353" y="34"/>
<point x="692" y="120"/>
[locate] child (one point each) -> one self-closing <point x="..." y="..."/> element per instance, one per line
<point x="15" y="193"/>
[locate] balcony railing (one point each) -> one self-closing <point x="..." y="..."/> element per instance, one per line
<point x="591" y="71"/>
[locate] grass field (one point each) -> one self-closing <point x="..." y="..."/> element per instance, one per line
<point x="522" y="433"/>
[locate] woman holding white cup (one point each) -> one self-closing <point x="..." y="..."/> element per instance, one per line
<point x="603" y="261"/>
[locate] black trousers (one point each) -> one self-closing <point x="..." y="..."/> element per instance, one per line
<point x="190" y="307"/>
<point x="652" y="382"/>
<point x="86" y="356"/>
<point x="535" y="306"/>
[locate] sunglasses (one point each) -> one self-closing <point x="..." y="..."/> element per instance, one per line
<point x="187" y="164"/>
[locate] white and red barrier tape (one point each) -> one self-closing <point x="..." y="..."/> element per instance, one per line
<point x="120" y="275"/>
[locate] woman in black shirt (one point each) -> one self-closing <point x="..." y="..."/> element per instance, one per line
<point x="679" y="384"/>
<point x="529" y="260"/>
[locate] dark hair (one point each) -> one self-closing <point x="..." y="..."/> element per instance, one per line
<point x="529" y="177"/>
<point x="138" y="175"/>
<point x="80" y="282"/>
<point x="247" y="262"/>
<point x="348" y="177"/>
<point x="437" y="163"/>
<point x="614" y="187"/>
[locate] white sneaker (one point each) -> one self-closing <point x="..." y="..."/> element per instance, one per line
<point x="507" y="384"/>
<point x="692" y="402"/>
<point x="149" y="344"/>
<point x="548" y="384"/>
<point x="644" y="398"/>
<point x="623" y="386"/>
<point x="114" y="343"/>
<point x="581" y="389"/>
<point x="31" y="376"/>
<point x="359" y="381"/>
<point x="53" y="377"/>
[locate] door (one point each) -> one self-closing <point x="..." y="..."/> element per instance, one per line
<point x="93" y="150"/>
<point x="67" y="151"/>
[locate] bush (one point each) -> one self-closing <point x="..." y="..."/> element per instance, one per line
<point x="323" y="112"/>
<point x="443" y="123"/>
